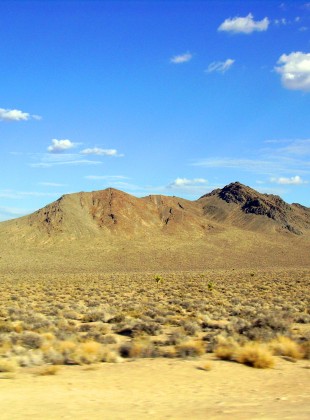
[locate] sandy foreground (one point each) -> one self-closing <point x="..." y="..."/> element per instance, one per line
<point x="160" y="389"/>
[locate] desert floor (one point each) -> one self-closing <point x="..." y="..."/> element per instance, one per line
<point x="160" y="389"/>
<point x="197" y="306"/>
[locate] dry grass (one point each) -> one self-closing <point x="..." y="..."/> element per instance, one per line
<point x="252" y="354"/>
<point x="285" y="346"/>
<point x="8" y="365"/>
<point x="255" y="355"/>
<point x="47" y="370"/>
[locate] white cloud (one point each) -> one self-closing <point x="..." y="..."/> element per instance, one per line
<point x="16" y="115"/>
<point x="183" y="58"/>
<point x="59" y="146"/>
<point x="294" y="69"/>
<point x="185" y="182"/>
<point x="294" y="180"/>
<point x="244" y="25"/>
<point x="100" y="152"/>
<point x="220" y="66"/>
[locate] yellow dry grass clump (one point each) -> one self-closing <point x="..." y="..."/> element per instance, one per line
<point x="285" y="346"/>
<point x="252" y="354"/>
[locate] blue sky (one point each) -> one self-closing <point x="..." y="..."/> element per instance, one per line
<point x="153" y="97"/>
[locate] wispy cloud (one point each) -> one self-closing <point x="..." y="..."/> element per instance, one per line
<point x="294" y="180"/>
<point x="59" y="146"/>
<point x="7" y="213"/>
<point x="25" y="194"/>
<point x="182" y="58"/>
<point x="244" y="25"/>
<point x="299" y="147"/>
<point x="281" y="21"/>
<point x="220" y="66"/>
<point x="106" y="177"/>
<point x="251" y="165"/>
<point x="51" y="184"/>
<point x="100" y="152"/>
<point x="272" y="160"/>
<point x="48" y="160"/>
<point x="294" y="69"/>
<point x="16" y="115"/>
<point x="69" y="162"/>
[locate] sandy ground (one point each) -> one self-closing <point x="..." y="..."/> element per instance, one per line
<point x="160" y="389"/>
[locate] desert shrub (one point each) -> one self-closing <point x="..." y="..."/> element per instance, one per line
<point x="265" y="327"/>
<point x="305" y="348"/>
<point x="88" y="352"/>
<point x="191" y="327"/>
<point x="94" y="316"/>
<point x="137" y="349"/>
<point x="8" y="365"/>
<point x="111" y="356"/>
<point x="31" y="339"/>
<point x="148" y="329"/>
<point x="6" y="327"/>
<point x="47" y="370"/>
<point x="104" y="314"/>
<point x="108" y="339"/>
<point x="70" y="314"/>
<point x="226" y="348"/>
<point x="190" y="349"/>
<point x="29" y="359"/>
<point x="35" y="322"/>
<point x="117" y="319"/>
<point x="176" y="337"/>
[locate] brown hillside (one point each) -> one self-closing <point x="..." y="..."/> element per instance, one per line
<point x="233" y="226"/>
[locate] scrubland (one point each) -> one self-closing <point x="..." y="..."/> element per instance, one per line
<point x="251" y="317"/>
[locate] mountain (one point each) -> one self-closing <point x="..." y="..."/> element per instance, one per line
<point x="226" y="225"/>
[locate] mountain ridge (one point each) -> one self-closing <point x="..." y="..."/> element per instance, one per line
<point x="111" y="210"/>
<point x="112" y="231"/>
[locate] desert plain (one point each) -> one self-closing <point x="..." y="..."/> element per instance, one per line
<point x="122" y="308"/>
